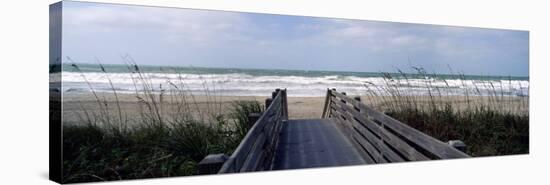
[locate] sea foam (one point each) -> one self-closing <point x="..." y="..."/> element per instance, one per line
<point x="239" y="84"/>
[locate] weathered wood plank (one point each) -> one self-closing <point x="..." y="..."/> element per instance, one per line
<point x="326" y="108"/>
<point x="246" y="145"/>
<point x="315" y="143"/>
<point x="337" y="114"/>
<point x="342" y="124"/>
<point x="229" y="166"/>
<point x="251" y="153"/>
<point x="370" y="136"/>
<point x="334" y="112"/>
<point x="369" y="148"/>
<point x="394" y="141"/>
<point x="379" y="144"/>
<point x="365" y="147"/>
<point x="338" y="106"/>
<point x="436" y="147"/>
<point x="368" y="159"/>
<point x="406" y="150"/>
<point x="427" y="143"/>
<point x="409" y="152"/>
<point x="364" y="154"/>
<point x="254" y="156"/>
<point x="272" y="131"/>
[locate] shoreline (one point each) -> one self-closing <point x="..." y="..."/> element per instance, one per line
<point x="298" y="107"/>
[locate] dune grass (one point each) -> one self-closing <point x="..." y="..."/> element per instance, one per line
<point x="168" y="138"/>
<point x="172" y="133"/>
<point x="489" y="118"/>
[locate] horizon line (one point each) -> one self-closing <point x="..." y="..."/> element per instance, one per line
<point x="315" y="70"/>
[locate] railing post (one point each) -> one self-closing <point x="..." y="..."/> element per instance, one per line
<point x="253" y="117"/>
<point x="358" y="98"/>
<point x="212" y="163"/>
<point x="285" y="104"/>
<point x="343" y="101"/>
<point x="458" y="144"/>
<point x="274" y="93"/>
<point x="326" y="109"/>
<point x="268" y="102"/>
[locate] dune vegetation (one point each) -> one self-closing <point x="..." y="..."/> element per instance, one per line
<point x="172" y="132"/>
<point x="492" y="118"/>
<point x="108" y="144"/>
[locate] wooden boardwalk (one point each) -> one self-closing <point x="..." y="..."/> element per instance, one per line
<point x="314" y="143"/>
<point x="348" y="133"/>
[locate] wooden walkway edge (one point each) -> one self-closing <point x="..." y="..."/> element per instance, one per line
<point x="349" y="133"/>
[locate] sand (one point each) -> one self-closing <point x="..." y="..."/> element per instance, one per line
<point x="298" y="107"/>
<point x="74" y="104"/>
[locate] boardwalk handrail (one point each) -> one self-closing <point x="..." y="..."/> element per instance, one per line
<point x="257" y="149"/>
<point x="381" y="137"/>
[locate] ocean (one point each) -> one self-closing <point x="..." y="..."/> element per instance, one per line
<point x="299" y="83"/>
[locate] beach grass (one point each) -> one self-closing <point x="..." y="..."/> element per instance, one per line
<point x="489" y="118"/>
<point x="162" y="141"/>
<point x="172" y="130"/>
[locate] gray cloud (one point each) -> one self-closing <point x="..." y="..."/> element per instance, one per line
<point x="170" y="36"/>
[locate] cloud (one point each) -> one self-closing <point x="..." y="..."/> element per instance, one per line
<point x="230" y="39"/>
<point x="167" y="23"/>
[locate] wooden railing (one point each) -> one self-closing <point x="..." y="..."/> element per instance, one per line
<point x="380" y="138"/>
<point x="256" y="151"/>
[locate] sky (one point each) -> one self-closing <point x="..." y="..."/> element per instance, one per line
<point x="204" y="38"/>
